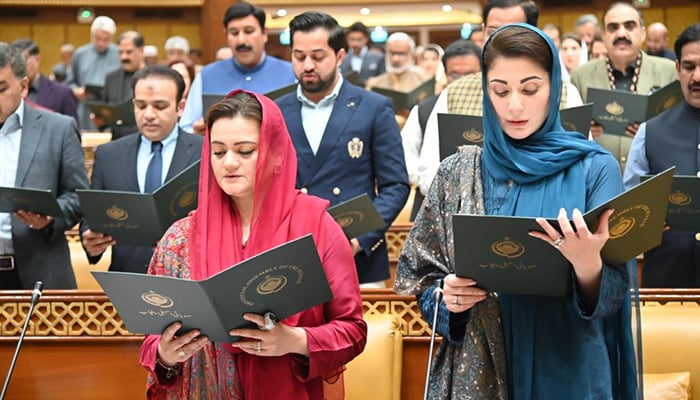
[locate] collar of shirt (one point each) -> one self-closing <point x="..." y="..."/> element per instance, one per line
<point x="363" y="52"/>
<point x="326" y="101"/>
<point x="248" y="70"/>
<point x="20" y="115"/>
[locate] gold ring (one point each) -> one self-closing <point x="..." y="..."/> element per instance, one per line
<point x="182" y="353"/>
<point x="258" y="346"/>
<point x="558" y="241"/>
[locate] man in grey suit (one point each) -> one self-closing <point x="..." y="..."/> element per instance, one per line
<point x="367" y="64"/>
<point x="627" y="68"/>
<point x="40" y="150"/>
<point x="122" y="164"/>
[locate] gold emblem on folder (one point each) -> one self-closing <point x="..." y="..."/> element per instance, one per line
<point x="187" y="198"/>
<point x="508" y="248"/>
<point x="473" y="136"/>
<point x="680" y="199"/>
<point x="622" y="226"/>
<point x="117" y="214"/>
<point x="158" y="300"/>
<point x="272" y="284"/>
<point x="614" y="108"/>
<point x="348" y="218"/>
<point x="355" y="147"/>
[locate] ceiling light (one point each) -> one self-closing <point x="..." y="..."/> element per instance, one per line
<point x="447" y="8"/>
<point x="281" y="12"/>
<point x="365" y="11"/>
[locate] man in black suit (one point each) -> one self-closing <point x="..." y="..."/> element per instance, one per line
<point x="42" y="91"/>
<point x="39" y="150"/>
<point x="122" y="164"/>
<point x="118" y="83"/>
<point x="366" y="63"/>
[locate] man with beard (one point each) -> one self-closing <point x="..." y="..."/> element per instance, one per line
<point x="118" y="83"/>
<point x="250" y="68"/>
<point x="657" y="41"/>
<point x="358" y="57"/>
<point x="627" y="68"/>
<point x="91" y="63"/>
<point x="671" y="139"/>
<point x="401" y="73"/>
<point x="346" y="138"/>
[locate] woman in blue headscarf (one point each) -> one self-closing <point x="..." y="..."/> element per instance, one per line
<point x="508" y="346"/>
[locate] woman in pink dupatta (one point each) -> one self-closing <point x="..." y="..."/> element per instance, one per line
<point x="247" y="205"/>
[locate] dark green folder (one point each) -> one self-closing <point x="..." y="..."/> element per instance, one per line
<point x="209" y="100"/>
<point x="357" y="216"/>
<point x="498" y="253"/>
<point x="121" y="114"/>
<point x="683" y="203"/>
<point x="38" y="201"/>
<point x="615" y="109"/>
<point x="96" y="91"/>
<point x="279" y="92"/>
<point x="353" y="77"/>
<point x="577" y="119"/>
<point x="284" y="280"/>
<point x="141" y="218"/>
<point x="456" y="130"/>
<point x="406" y="100"/>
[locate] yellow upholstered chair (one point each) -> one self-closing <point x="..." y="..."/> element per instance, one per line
<point x="376" y="373"/>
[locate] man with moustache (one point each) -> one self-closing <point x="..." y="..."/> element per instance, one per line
<point x="358" y="57"/>
<point x="346" y="138"/>
<point x="672" y="138"/>
<point x="118" y="83"/>
<point x="626" y="68"/>
<point x="250" y="68"/>
<point x="401" y="73"/>
<point x="91" y="64"/>
<point x="123" y="164"/>
<point x="466" y="95"/>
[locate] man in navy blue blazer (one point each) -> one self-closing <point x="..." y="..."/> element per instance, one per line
<point x="122" y="164"/>
<point x="346" y="138"/>
<point x="42" y="91"/>
<point x="358" y="57"/>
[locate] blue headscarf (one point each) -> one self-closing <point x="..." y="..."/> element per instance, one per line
<point x="546" y="165"/>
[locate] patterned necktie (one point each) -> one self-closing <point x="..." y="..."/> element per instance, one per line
<point x="155" y="168"/>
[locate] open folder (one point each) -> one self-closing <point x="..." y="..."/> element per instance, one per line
<point x="406" y="100"/>
<point x="120" y="114"/>
<point x="498" y="253"/>
<point x="455" y="130"/>
<point x="141" y="218"/>
<point x="38" y="201"/>
<point x="615" y="109"/>
<point x="683" y="212"/>
<point x="284" y="280"/>
<point x="357" y="216"/>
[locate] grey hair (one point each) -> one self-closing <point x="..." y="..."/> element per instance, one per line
<point x="103" y="23"/>
<point x="9" y="55"/>
<point x="401" y="37"/>
<point x="586" y="19"/>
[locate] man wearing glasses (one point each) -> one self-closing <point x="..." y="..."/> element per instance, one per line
<point x="626" y="68"/>
<point x="250" y="68"/>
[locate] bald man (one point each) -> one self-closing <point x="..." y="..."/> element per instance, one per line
<point x="657" y="41"/>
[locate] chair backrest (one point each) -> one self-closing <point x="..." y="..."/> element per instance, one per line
<point x="376" y="373"/>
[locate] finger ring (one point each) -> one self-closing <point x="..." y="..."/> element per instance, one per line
<point x="258" y="346"/>
<point x="456" y="300"/>
<point x="182" y="353"/>
<point x="31" y="226"/>
<point x="558" y="241"/>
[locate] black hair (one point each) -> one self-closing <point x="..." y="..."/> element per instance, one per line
<point x="460" y="47"/>
<point x="689" y="34"/>
<point x="26" y="44"/>
<point x="531" y="10"/>
<point x="244" y="9"/>
<point x="518" y="41"/>
<point x="163" y="72"/>
<point x="240" y="104"/>
<point x="312" y="20"/>
<point x="10" y="55"/>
